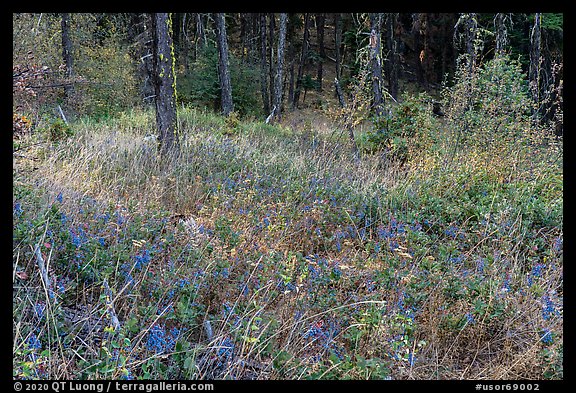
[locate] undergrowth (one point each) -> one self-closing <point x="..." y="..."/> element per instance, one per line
<point x="263" y="254"/>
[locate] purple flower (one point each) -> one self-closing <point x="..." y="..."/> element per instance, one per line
<point x="549" y="309"/>
<point x="17" y="209"/>
<point x="33" y="342"/>
<point x="39" y="309"/>
<point x="547" y="337"/>
<point x="558" y="244"/>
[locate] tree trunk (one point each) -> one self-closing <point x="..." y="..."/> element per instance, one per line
<point x="376" y="63"/>
<point x="347" y="124"/>
<point x="278" y="80"/>
<point x="272" y="69"/>
<point x="303" y="58"/>
<point x="164" y="81"/>
<point x="201" y="40"/>
<point x="320" y="21"/>
<point x="392" y="60"/>
<point x="185" y="44"/>
<point x="338" y="42"/>
<point x="264" y="65"/>
<point x="470" y="30"/>
<point x="223" y="66"/>
<point x="67" y="53"/>
<point x="501" y="33"/>
<point x="534" y="72"/>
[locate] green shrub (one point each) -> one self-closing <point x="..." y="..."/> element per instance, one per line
<point x="399" y="132"/>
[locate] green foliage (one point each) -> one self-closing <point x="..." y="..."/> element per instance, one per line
<point x="58" y="130"/>
<point x="490" y="106"/>
<point x="401" y="132"/>
<point x="200" y="86"/>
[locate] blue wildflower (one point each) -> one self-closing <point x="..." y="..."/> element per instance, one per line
<point x="226" y="349"/>
<point x="59" y="197"/>
<point x="18" y="209"/>
<point x="547" y="337"/>
<point x="558" y="244"/>
<point x="33" y="342"/>
<point x="39" y="309"/>
<point x="159" y="341"/>
<point x="548" y="310"/>
<point x="76" y="240"/>
<point x="142" y="260"/>
<point x="480" y="265"/>
<point x="537" y="270"/>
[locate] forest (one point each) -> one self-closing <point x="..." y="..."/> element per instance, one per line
<point x="287" y="196"/>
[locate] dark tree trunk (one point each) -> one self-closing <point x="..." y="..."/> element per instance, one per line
<point x="264" y="65"/>
<point x="501" y="33"/>
<point x="278" y="80"/>
<point x="272" y="70"/>
<point x="417" y="28"/>
<point x="293" y="21"/>
<point x="392" y="58"/>
<point x="303" y="58"/>
<point x="376" y="63"/>
<point x="534" y="71"/>
<point x="201" y="41"/>
<point x="347" y="123"/>
<point x="338" y="43"/>
<point x="164" y="81"/>
<point x="185" y="40"/>
<point x="291" y="82"/>
<point x="320" y="21"/>
<point x="223" y="66"/>
<point x="144" y="44"/>
<point x="67" y="53"/>
<point x="470" y="28"/>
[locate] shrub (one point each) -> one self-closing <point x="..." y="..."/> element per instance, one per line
<point x="400" y="133"/>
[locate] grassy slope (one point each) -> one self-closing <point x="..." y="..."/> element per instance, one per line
<point x="305" y="264"/>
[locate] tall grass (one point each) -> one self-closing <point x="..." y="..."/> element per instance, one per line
<point x="263" y="253"/>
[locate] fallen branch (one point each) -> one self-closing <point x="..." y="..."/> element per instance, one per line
<point x="110" y="305"/>
<point x="346" y="120"/>
<point x="42" y="266"/>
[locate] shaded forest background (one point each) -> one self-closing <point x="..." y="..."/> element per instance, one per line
<point x="105" y="64"/>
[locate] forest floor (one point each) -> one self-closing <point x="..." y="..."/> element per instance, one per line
<point x="268" y="252"/>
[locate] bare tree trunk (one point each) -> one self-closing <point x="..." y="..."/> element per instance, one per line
<point x="535" y="69"/>
<point x="392" y="60"/>
<point x="338" y="43"/>
<point x="278" y="80"/>
<point x="185" y="43"/>
<point x="164" y="81"/>
<point x="223" y="67"/>
<point x="264" y="65"/>
<point x="201" y="40"/>
<point x="501" y="32"/>
<point x="376" y="63"/>
<point x="347" y="124"/>
<point x="303" y="58"/>
<point x="67" y="53"/>
<point x="272" y="70"/>
<point x="470" y="31"/>
<point x="320" y="21"/>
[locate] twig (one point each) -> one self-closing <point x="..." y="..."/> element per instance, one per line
<point x="270" y="115"/>
<point x="110" y="305"/>
<point x="62" y="114"/>
<point x="42" y="266"/>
